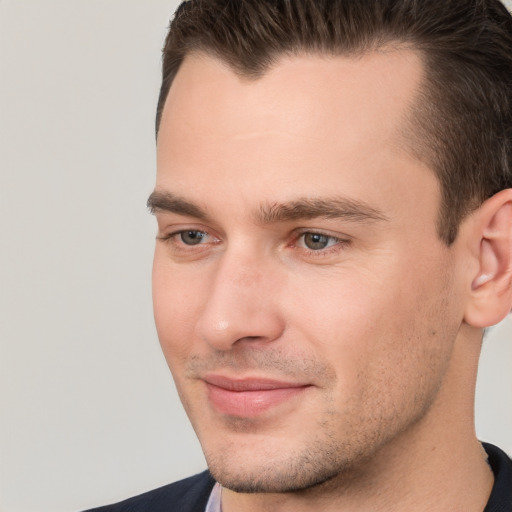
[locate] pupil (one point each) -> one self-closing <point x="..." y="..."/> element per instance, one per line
<point x="316" y="241"/>
<point x="192" y="237"/>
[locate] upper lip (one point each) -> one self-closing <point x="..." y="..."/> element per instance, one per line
<point x="249" y="383"/>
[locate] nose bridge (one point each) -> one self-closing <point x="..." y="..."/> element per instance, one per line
<point x="240" y="303"/>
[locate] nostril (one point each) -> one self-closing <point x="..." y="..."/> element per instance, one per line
<point x="252" y="339"/>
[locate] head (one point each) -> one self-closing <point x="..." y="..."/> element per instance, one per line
<point x="332" y="197"/>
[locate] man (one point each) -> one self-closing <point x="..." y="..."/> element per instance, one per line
<point x="334" y="207"/>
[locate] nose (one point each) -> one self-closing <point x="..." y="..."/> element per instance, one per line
<point x="241" y="305"/>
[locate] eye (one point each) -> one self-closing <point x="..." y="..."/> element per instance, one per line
<point x="192" y="237"/>
<point x="318" y="241"/>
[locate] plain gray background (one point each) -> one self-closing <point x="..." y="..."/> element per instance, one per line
<point x="89" y="414"/>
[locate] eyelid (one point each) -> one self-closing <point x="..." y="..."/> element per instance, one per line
<point x="175" y="233"/>
<point x="170" y="234"/>
<point x="342" y="241"/>
<point x="323" y="232"/>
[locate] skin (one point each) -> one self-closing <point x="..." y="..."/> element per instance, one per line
<point x="372" y="325"/>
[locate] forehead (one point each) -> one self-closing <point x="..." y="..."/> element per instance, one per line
<point x="309" y="122"/>
<point x="375" y="90"/>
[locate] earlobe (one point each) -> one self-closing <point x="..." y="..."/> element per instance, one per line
<point x="491" y="287"/>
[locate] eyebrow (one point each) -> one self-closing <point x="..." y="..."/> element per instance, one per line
<point x="326" y="208"/>
<point x="167" y="202"/>
<point x="303" y="208"/>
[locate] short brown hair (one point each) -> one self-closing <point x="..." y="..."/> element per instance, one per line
<point x="462" y="124"/>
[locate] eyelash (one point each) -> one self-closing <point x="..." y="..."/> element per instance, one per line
<point x="182" y="246"/>
<point x="338" y="245"/>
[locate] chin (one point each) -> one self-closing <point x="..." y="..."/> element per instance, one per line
<point x="272" y="480"/>
<point x="278" y="472"/>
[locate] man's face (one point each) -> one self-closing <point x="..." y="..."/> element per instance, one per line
<point x="304" y="302"/>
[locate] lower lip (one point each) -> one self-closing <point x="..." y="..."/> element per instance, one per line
<point x="248" y="404"/>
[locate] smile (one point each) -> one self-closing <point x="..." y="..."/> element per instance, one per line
<point x="249" y="397"/>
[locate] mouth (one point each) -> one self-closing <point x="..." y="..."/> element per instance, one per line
<point x="250" y="397"/>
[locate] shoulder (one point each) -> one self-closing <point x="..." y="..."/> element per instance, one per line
<point x="501" y="496"/>
<point x="188" y="495"/>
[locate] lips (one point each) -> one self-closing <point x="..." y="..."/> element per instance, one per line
<point x="249" y="397"/>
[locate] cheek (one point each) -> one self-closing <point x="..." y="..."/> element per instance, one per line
<point x="175" y="305"/>
<point x="346" y="311"/>
<point x="380" y="331"/>
<point x="341" y="324"/>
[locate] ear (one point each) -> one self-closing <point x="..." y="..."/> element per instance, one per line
<point x="491" y="287"/>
